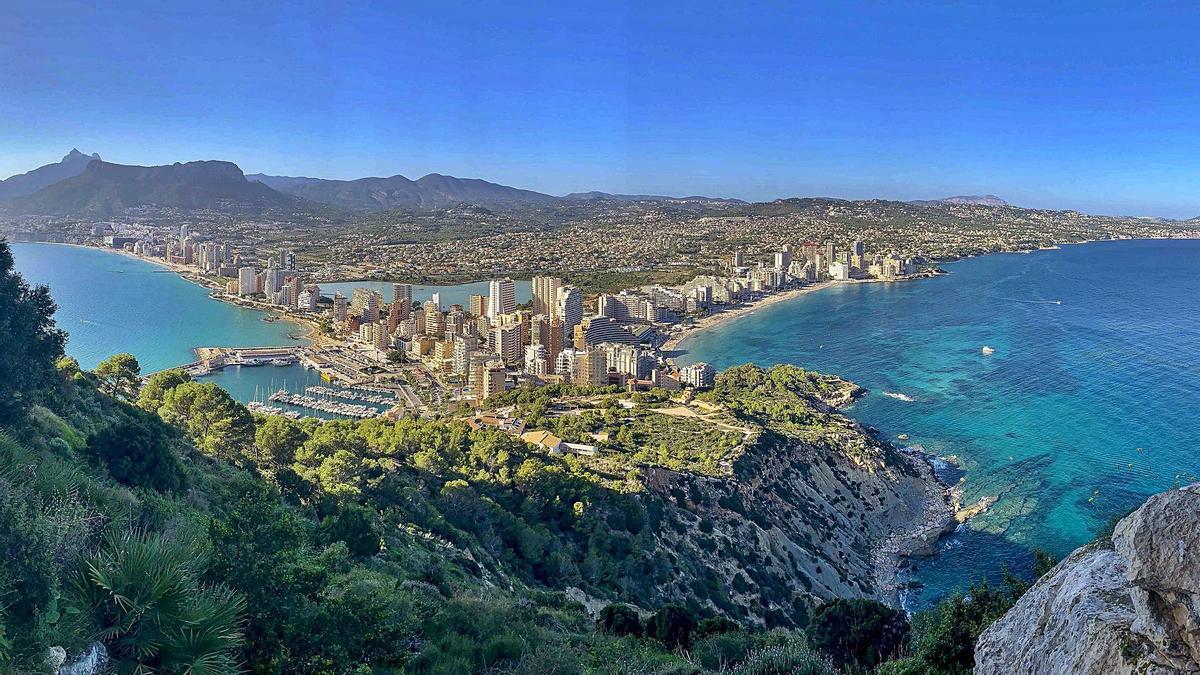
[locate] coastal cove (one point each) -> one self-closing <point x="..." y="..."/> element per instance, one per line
<point x="109" y="302"/>
<point x="1084" y="408"/>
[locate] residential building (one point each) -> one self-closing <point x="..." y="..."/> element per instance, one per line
<point x="247" y="280"/>
<point x="545" y="294"/>
<point x="698" y="375"/>
<point x="502" y="297"/>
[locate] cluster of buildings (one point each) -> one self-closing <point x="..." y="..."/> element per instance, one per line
<point x="492" y="343"/>
<point x="813" y="262"/>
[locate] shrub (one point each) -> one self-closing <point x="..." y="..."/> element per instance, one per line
<point x="619" y="619"/>
<point x="792" y="658"/>
<point x="672" y="625"/>
<point x="137" y="451"/>
<point x="858" y="633"/>
<point x="153" y="613"/>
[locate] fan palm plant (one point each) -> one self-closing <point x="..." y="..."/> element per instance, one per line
<point x="154" y="614"/>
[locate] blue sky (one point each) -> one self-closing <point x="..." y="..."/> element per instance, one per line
<point x="1092" y="106"/>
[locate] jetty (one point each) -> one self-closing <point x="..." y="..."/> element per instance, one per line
<point x="352" y="395"/>
<point x="323" y="405"/>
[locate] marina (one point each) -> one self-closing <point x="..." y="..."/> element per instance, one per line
<point x="325" y="405"/>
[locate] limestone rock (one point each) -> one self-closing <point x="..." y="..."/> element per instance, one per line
<point x="93" y="661"/>
<point x="1131" y="608"/>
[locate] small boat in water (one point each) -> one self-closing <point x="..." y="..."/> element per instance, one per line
<point x="903" y="437"/>
<point x="987" y="351"/>
<point x="280" y="362"/>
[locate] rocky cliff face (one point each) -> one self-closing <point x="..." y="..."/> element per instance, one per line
<point x="806" y="516"/>
<point x="1127" y="605"/>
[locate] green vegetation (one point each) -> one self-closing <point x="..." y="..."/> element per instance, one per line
<point x="187" y="536"/>
<point x="119" y="376"/>
<point x="858" y="634"/>
<point x="30" y="341"/>
<point x="943" y="637"/>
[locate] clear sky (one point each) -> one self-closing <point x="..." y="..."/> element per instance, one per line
<point x="1088" y="105"/>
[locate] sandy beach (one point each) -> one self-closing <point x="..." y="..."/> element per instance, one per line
<point x="728" y="314"/>
<point x="217" y="292"/>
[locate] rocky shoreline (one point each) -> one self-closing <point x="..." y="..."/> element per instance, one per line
<point x="938" y="508"/>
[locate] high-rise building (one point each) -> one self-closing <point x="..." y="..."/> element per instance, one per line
<point x="810" y="251"/>
<point x="366" y="304"/>
<point x="591" y="367"/>
<point x="341" y="308"/>
<point x="310" y="297"/>
<point x="273" y="279"/>
<point x="569" y="309"/>
<point x="402" y="292"/>
<point x="436" y="299"/>
<point x="247" y="280"/>
<point x="465" y="346"/>
<point x="830" y="252"/>
<point x="477" y="305"/>
<point x="293" y="284"/>
<point x="502" y="297"/>
<point x="556" y="339"/>
<point x="536" y="362"/>
<point x="493" y="381"/>
<point x="184" y="231"/>
<point x="859" y="249"/>
<point x="739" y="259"/>
<point x="433" y="319"/>
<point x="597" y="329"/>
<point x="506" y="342"/>
<point x="545" y="294"/>
<point x="783" y="260"/>
<point x="456" y="319"/>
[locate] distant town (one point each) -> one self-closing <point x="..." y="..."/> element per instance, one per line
<point x="462" y="355"/>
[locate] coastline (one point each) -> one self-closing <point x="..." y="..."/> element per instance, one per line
<point x="936" y="518"/>
<point x="678" y="338"/>
<point x="311" y="331"/>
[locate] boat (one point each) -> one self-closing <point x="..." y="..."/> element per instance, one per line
<point x="903" y="437"/>
<point x="280" y="362"/>
<point x="987" y="351"/>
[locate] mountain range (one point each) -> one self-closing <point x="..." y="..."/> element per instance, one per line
<point x="397" y="192"/>
<point x="31" y="181"/>
<point x="976" y="200"/>
<point x="106" y="189"/>
<point x="84" y="185"/>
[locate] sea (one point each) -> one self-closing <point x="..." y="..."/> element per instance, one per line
<point x="1089" y="402"/>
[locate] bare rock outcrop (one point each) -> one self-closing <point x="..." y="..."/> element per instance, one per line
<point x="1132" y="607"/>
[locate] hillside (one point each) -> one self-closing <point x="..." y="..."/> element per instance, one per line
<point x="424" y="545"/>
<point x="963" y="200"/>
<point x="105" y="189"/>
<point x="398" y="192"/>
<point x="595" y="195"/>
<point x="29" y="182"/>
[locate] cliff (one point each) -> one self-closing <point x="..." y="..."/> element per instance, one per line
<point x="814" y="509"/>
<point x="1127" y="604"/>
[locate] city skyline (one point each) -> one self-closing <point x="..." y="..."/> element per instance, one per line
<point x="863" y="101"/>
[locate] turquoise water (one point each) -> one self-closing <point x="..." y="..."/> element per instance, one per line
<point x="450" y="295"/>
<point x="111" y="303"/>
<point x="1085" y="408"/>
